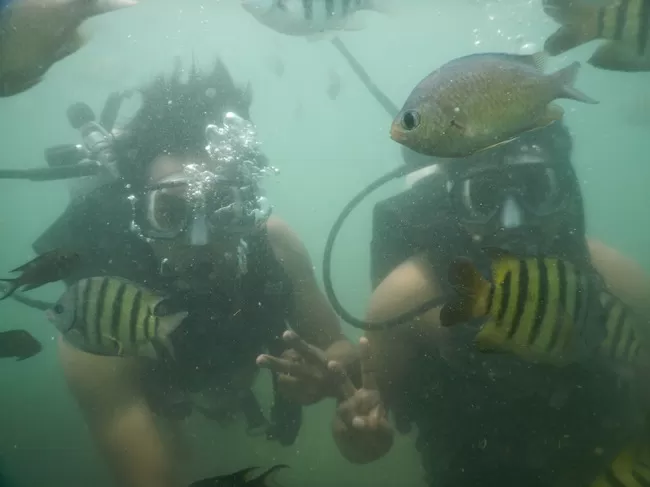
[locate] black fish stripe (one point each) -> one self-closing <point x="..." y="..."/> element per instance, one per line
<point x="345" y="7"/>
<point x="540" y="314"/>
<point x="608" y="309"/>
<point x="618" y="332"/>
<point x="490" y="299"/>
<point x="579" y="305"/>
<point x="612" y="479"/>
<point x="621" y="17"/>
<point x="505" y="297"/>
<point x="118" y="303"/>
<point x="329" y="8"/>
<point x="85" y="305"/>
<point x="135" y="313"/>
<point x="77" y="322"/>
<point x="561" y="308"/>
<point x="601" y="21"/>
<point x="101" y="300"/>
<point x="644" y="27"/>
<point x="641" y="480"/>
<point x="631" y="336"/>
<point x="308" y="9"/>
<point x="522" y="294"/>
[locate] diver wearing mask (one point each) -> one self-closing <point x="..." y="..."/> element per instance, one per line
<point x="485" y="419"/>
<point x="186" y="219"/>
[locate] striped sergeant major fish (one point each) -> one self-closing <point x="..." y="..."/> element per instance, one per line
<point x="543" y="310"/>
<point x="113" y="316"/>
<point x="622" y="344"/>
<point x="625" y="24"/>
<point x="311" y="18"/>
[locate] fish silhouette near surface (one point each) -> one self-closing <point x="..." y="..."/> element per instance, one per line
<point x="35" y="34"/>
<point x="18" y="344"/>
<point x="48" y="267"/>
<point x="312" y="19"/>
<point x="241" y="478"/>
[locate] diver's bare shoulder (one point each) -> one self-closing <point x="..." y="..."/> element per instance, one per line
<point x="624" y="277"/>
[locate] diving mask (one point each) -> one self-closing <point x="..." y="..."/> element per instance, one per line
<point x="216" y="197"/>
<point x="512" y="197"/>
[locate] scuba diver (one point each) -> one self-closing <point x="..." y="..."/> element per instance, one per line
<point x="171" y="200"/>
<point x="488" y="419"/>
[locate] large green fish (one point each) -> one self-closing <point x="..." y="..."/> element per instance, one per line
<point x="480" y="101"/>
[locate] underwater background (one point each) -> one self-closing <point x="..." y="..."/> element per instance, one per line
<point x="326" y="150"/>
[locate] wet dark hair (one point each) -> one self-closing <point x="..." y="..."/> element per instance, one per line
<point x="173" y="116"/>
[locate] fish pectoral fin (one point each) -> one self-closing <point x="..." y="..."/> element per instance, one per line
<point x="487" y="340"/>
<point x="565" y="38"/>
<point x="503" y="142"/>
<point x="120" y="348"/>
<point x="619" y="56"/>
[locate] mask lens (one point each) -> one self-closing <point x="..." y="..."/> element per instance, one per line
<point x="168" y="211"/>
<point x="481" y="196"/>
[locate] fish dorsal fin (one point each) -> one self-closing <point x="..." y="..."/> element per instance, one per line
<point x="536" y="60"/>
<point x="263" y="480"/>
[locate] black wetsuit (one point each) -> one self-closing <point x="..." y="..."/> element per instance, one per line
<point x="215" y="340"/>
<point x="487" y="420"/>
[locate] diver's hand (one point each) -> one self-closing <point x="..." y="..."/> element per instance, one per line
<point x="303" y="374"/>
<point x="360" y="428"/>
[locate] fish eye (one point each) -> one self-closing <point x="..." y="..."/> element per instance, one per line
<point x="410" y="120"/>
<point x="58" y="309"/>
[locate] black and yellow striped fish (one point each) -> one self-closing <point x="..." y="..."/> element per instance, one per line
<point x="541" y="309"/>
<point x="622" y="344"/>
<point x="113" y="316"/>
<point x="624" y="23"/>
<point x="630" y="468"/>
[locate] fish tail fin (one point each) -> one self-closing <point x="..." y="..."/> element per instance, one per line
<point x="566" y="78"/>
<point x="262" y="480"/>
<point x="469" y="284"/>
<point x="170" y="322"/>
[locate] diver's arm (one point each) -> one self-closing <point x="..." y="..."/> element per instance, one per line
<point x="109" y="395"/>
<point x="360" y="434"/>
<point x="624" y="277"/>
<point x="408" y="286"/>
<point x="316" y="322"/>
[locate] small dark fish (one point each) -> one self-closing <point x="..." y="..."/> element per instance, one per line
<point x="48" y="267"/>
<point x="625" y="24"/>
<point x="482" y="100"/>
<point x="333" y="85"/>
<point x="19" y="344"/>
<point x="240" y="478"/>
<point x="541" y="309"/>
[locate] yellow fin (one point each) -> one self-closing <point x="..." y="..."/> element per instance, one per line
<point x="468" y="283"/>
<point x="489" y="340"/>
